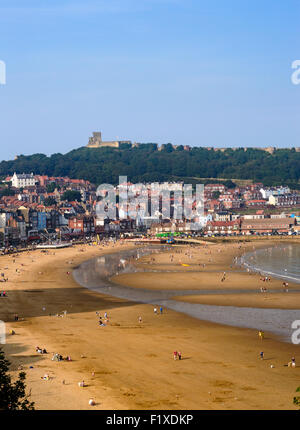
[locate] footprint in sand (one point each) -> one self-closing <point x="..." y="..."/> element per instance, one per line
<point x="223" y="383"/>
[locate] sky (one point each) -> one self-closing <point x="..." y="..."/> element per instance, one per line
<point x="191" y="72"/>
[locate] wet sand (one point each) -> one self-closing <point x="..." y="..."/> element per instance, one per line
<point x="265" y="300"/>
<point x="212" y="270"/>
<point x="133" y="362"/>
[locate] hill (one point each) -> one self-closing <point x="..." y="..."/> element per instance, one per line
<point x="146" y="163"/>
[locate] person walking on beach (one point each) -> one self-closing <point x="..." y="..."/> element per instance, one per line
<point x="140" y="320"/>
<point x="155" y="310"/>
<point x="161" y="310"/>
<point x="179" y="355"/>
<point x="175" y="354"/>
<point x="261" y="334"/>
<point x="261" y="355"/>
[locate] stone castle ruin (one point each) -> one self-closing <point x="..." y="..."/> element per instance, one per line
<point x="96" y="141"/>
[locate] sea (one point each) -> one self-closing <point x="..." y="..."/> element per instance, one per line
<point x="281" y="261"/>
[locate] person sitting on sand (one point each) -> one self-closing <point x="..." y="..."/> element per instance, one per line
<point x="101" y="323"/>
<point x="45" y="377"/>
<point x="292" y="363"/>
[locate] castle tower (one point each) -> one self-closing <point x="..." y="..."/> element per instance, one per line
<point x="95" y="140"/>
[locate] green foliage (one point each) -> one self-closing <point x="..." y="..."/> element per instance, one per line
<point x="6" y="191"/>
<point x="216" y="194"/>
<point x="146" y="163"/>
<point x="229" y="184"/>
<point x="12" y="394"/>
<point x="52" y="186"/>
<point x="71" y="196"/>
<point x="49" y="201"/>
<point x="296" y="399"/>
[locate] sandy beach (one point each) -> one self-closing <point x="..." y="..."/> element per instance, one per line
<point x="203" y="269"/>
<point x="129" y="364"/>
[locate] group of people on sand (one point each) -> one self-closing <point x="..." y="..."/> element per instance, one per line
<point x="101" y="322"/>
<point x="265" y="279"/>
<point x="59" y="357"/>
<point x="261" y="336"/>
<point x="177" y="355"/>
<point x="156" y="311"/>
<point x="291" y="363"/>
<point x="41" y="350"/>
<point x="223" y="277"/>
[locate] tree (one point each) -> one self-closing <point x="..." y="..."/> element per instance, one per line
<point x="104" y="165"/>
<point x="7" y="191"/>
<point x="51" y="187"/>
<point x="49" y="201"/>
<point x="229" y="184"/>
<point x="71" y="196"/>
<point x="12" y="395"/>
<point x="216" y="195"/>
<point x="296" y="399"/>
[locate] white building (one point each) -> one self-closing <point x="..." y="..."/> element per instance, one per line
<point x="278" y="191"/>
<point x="23" y="180"/>
<point x="253" y="216"/>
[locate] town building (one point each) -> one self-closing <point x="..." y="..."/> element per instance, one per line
<point x="256" y="203"/>
<point x="223" y="227"/>
<point x="277" y="191"/>
<point x="23" y="180"/>
<point x="267" y="225"/>
<point x="285" y="200"/>
<point x="82" y="224"/>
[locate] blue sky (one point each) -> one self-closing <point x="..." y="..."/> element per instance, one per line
<point x="203" y="73"/>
